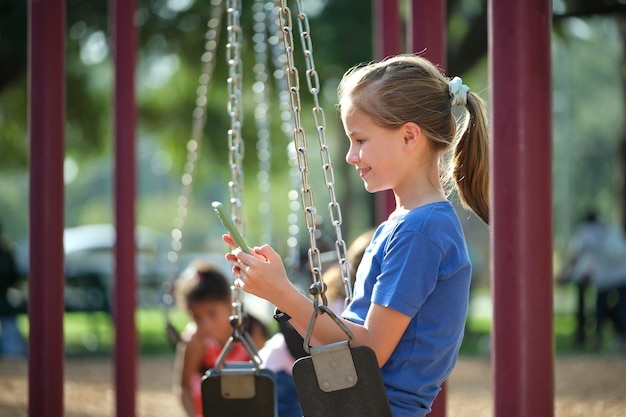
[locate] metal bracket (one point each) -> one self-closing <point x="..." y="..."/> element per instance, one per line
<point x="237" y="382"/>
<point x="334" y="366"/>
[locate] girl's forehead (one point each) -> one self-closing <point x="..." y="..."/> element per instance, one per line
<point x="355" y="120"/>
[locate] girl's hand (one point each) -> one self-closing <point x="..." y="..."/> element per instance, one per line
<point x="261" y="273"/>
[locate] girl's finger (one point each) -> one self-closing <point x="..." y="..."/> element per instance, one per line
<point x="229" y="240"/>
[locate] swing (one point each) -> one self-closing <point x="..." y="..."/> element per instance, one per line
<point x="237" y="389"/>
<point x="229" y="389"/>
<point x="339" y="380"/>
<point x="336" y="379"/>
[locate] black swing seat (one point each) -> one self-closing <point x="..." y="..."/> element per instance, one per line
<point x="238" y="390"/>
<point x="341" y="381"/>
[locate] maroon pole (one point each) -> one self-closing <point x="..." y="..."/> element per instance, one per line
<point x="387" y="29"/>
<point x="124" y="35"/>
<point x="522" y="339"/>
<point x="426" y="32"/>
<point x="46" y="98"/>
<point x="387" y="41"/>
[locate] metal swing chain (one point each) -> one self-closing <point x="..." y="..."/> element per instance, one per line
<point x="299" y="138"/>
<point x="235" y="158"/>
<point x="235" y="111"/>
<point x="193" y="145"/>
<point x="279" y="59"/>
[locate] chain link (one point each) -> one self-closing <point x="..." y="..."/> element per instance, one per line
<point x="235" y="140"/>
<point x="300" y="144"/>
<point x="279" y="59"/>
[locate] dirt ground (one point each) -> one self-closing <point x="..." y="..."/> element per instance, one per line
<point x="585" y="386"/>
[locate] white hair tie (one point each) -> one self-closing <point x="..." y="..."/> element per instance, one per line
<point x="458" y="92"/>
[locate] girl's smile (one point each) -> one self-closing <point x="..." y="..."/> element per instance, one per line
<point x="362" y="171"/>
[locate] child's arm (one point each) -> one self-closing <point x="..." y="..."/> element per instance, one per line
<point x="263" y="275"/>
<point x="189" y="358"/>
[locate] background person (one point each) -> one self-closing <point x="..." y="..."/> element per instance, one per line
<point x="12" y="342"/>
<point x="205" y="294"/>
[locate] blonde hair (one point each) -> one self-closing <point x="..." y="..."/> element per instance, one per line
<point x="409" y="88"/>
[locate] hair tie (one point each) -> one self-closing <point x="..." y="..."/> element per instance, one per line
<point x="458" y="92"/>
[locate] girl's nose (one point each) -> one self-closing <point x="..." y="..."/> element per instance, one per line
<point x="352" y="157"/>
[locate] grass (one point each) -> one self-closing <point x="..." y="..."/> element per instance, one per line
<point x="88" y="334"/>
<point x="93" y="334"/>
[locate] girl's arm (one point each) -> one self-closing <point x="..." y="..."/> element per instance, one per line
<point x="263" y="275"/>
<point x="189" y="358"/>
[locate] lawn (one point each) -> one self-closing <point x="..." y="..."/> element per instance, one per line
<point x="93" y="333"/>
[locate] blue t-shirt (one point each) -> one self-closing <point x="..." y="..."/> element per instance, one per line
<point x="417" y="265"/>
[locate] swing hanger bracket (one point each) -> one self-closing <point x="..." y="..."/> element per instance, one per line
<point x="334" y="366"/>
<point x="237" y="381"/>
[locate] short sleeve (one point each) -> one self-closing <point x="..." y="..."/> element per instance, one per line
<point x="409" y="272"/>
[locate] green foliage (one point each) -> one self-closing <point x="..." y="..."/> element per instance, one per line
<point x="588" y="94"/>
<point x="588" y="126"/>
<point x="13" y="136"/>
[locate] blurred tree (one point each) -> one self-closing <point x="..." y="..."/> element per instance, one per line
<point x="566" y="9"/>
<point x="170" y="44"/>
<point x="171" y="34"/>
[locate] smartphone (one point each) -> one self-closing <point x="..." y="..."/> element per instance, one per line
<point x="230" y="226"/>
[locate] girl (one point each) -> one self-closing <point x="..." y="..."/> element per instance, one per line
<point x="203" y="291"/>
<point x="412" y="287"/>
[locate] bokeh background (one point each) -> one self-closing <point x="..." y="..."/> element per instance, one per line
<point x="589" y="151"/>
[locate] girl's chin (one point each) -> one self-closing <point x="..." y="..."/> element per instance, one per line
<point x="372" y="188"/>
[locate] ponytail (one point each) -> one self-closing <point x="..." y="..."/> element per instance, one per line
<point x="470" y="161"/>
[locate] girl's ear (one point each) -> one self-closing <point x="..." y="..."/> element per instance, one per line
<point x="412" y="135"/>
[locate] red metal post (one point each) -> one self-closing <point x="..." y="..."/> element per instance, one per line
<point x="522" y="339"/>
<point x="426" y="32"/>
<point x="125" y="45"/>
<point x="387" y="28"/>
<point x="46" y="278"/>
<point x="387" y="42"/>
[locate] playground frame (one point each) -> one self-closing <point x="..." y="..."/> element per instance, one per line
<point x="521" y="195"/>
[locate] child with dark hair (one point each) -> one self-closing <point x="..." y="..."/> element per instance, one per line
<point x="204" y="293"/>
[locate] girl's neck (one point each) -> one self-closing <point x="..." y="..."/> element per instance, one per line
<point x="428" y="195"/>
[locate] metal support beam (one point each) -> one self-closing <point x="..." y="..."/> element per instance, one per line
<point x="46" y="121"/>
<point x="522" y="339"/>
<point x="387" y="42"/>
<point x="426" y="32"/>
<point x="387" y="28"/>
<point x="125" y="283"/>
